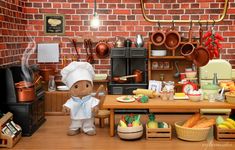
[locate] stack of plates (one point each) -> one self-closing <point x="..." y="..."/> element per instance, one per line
<point x="158" y="52"/>
<point x="62" y="88"/>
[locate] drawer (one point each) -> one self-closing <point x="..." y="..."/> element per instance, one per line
<point x="138" y="53"/>
<point x="119" y="52"/>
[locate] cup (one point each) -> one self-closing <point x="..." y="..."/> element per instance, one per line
<point x="182" y="76"/>
<point x="166" y="65"/>
<point x="211" y="97"/>
<point x="154" y="65"/>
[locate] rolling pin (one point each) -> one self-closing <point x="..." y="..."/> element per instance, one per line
<point x="149" y="93"/>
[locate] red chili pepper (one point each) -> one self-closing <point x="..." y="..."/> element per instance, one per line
<point x="211" y="54"/>
<point x="219" y="46"/>
<point x="208" y="41"/>
<point x="219" y="37"/>
<point x="207" y="34"/>
<point x="216" y="53"/>
<point x="210" y="46"/>
<point x="216" y="42"/>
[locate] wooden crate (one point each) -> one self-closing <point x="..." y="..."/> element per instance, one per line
<point x="159" y="133"/>
<point x="224" y="134"/>
<point x="6" y="140"/>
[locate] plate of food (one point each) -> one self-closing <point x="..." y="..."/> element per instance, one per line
<point x="126" y="99"/>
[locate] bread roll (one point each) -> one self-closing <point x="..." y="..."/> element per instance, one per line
<point x="192" y="121"/>
<point x="205" y="124"/>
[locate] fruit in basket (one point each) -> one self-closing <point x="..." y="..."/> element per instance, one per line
<point x="219" y="120"/>
<point x="122" y="124"/>
<point x="136" y="122"/>
<point x="231" y="121"/>
<point x="228" y="124"/>
<point x="152" y="123"/>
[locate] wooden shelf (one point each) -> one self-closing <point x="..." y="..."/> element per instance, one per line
<point x="167" y="57"/>
<point x="162" y="69"/>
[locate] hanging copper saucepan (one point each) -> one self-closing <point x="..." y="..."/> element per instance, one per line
<point x="173" y="38"/>
<point x="203" y="56"/>
<point x="187" y="50"/>
<point x="102" y="49"/>
<point x="158" y="37"/>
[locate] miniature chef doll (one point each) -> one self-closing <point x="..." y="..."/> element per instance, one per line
<point x="78" y="77"/>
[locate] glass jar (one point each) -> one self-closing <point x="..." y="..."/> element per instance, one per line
<point x="51" y="83"/>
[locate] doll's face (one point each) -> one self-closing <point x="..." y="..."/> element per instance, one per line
<point x="81" y="88"/>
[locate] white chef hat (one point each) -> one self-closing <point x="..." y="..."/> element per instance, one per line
<point x="77" y="71"/>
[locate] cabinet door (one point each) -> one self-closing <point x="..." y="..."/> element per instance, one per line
<point x="41" y="110"/>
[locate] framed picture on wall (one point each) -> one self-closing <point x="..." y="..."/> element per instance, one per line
<point x="54" y="24"/>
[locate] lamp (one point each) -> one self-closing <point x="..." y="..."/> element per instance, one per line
<point x="95" y="22"/>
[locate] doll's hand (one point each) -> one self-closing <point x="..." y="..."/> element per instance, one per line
<point x="95" y="110"/>
<point x="66" y="110"/>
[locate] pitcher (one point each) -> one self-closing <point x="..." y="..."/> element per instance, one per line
<point x="139" y="41"/>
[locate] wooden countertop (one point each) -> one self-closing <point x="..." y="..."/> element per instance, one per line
<point x="110" y="102"/>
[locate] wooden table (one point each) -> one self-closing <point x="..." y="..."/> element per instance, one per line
<point x="154" y="104"/>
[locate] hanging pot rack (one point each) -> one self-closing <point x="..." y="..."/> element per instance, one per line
<point x="184" y="21"/>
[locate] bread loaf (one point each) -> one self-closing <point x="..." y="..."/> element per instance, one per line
<point x="149" y="93"/>
<point x="205" y="124"/>
<point x="192" y="121"/>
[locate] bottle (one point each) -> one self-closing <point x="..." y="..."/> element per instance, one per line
<point x="215" y="79"/>
<point x="51" y="84"/>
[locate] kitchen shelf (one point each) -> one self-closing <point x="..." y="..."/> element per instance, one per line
<point x="163" y="69"/>
<point x="166" y="57"/>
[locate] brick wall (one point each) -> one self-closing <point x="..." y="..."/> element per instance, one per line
<point x="123" y="18"/>
<point x="12" y="31"/>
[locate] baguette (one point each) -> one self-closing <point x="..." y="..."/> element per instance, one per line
<point x="205" y="124"/>
<point x="192" y="121"/>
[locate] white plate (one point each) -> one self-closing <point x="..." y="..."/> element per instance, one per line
<point x="62" y="88"/>
<point x="121" y="99"/>
<point x="185" y="97"/>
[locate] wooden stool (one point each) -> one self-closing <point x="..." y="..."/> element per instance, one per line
<point x="102" y="113"/>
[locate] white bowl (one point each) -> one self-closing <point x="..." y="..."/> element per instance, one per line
<point x="130" y="133"/>
<point x="159" y="52"/>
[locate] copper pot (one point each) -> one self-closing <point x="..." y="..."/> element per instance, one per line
<point x="25" y="91"/>
<point x="173" y="39"/>
<point x="188" y="49"/>
<point x="123" y="79"/>
<point x="102" y="49"/>
<point x="139" y="76"/>
<point x="158" y="37"/>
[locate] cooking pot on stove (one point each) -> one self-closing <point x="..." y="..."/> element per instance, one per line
<point x="25" y="91"/>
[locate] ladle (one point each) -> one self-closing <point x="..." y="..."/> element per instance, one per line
<point x="177" y="74"/>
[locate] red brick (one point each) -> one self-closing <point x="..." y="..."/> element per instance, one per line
<point x="66" y="11"/>
<point x="121" y="11"/>
<point x="47" y="10"/>
<point x="56" y="5"/>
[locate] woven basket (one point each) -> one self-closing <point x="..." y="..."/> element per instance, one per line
<point x="230" y="98"/>
<point x="191" y="134"/>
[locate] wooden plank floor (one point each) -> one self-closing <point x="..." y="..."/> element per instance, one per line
<point x="52" y="135"/>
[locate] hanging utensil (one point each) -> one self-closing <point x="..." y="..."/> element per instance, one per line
<point x="203" y="56"/>
<point x="177" y="74"/>
<point x="90" y="57"/>
<point x="75" y="46"/>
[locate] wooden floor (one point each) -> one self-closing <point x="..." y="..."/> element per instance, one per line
<point x="52" y="136"/>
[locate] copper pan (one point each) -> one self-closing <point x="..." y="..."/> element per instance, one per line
<point x="187" y="50"/>
<point x="173" y="38"/>
<point x="25" y="91"/>
<point x="203" y="56"/>
<point x="123" y="79"/>
<point x="158" y="37"/>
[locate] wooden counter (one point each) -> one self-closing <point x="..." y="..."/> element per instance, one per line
<point x="154" y="104"/>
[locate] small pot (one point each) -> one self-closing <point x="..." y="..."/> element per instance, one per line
<point x="173" y="39"/>
<point x="203" y="56"/>
<point x="158" y="38"/>
<point x="102" y="49"/>
<point x="188" y="49"/>
<point x="25" y="91"/>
